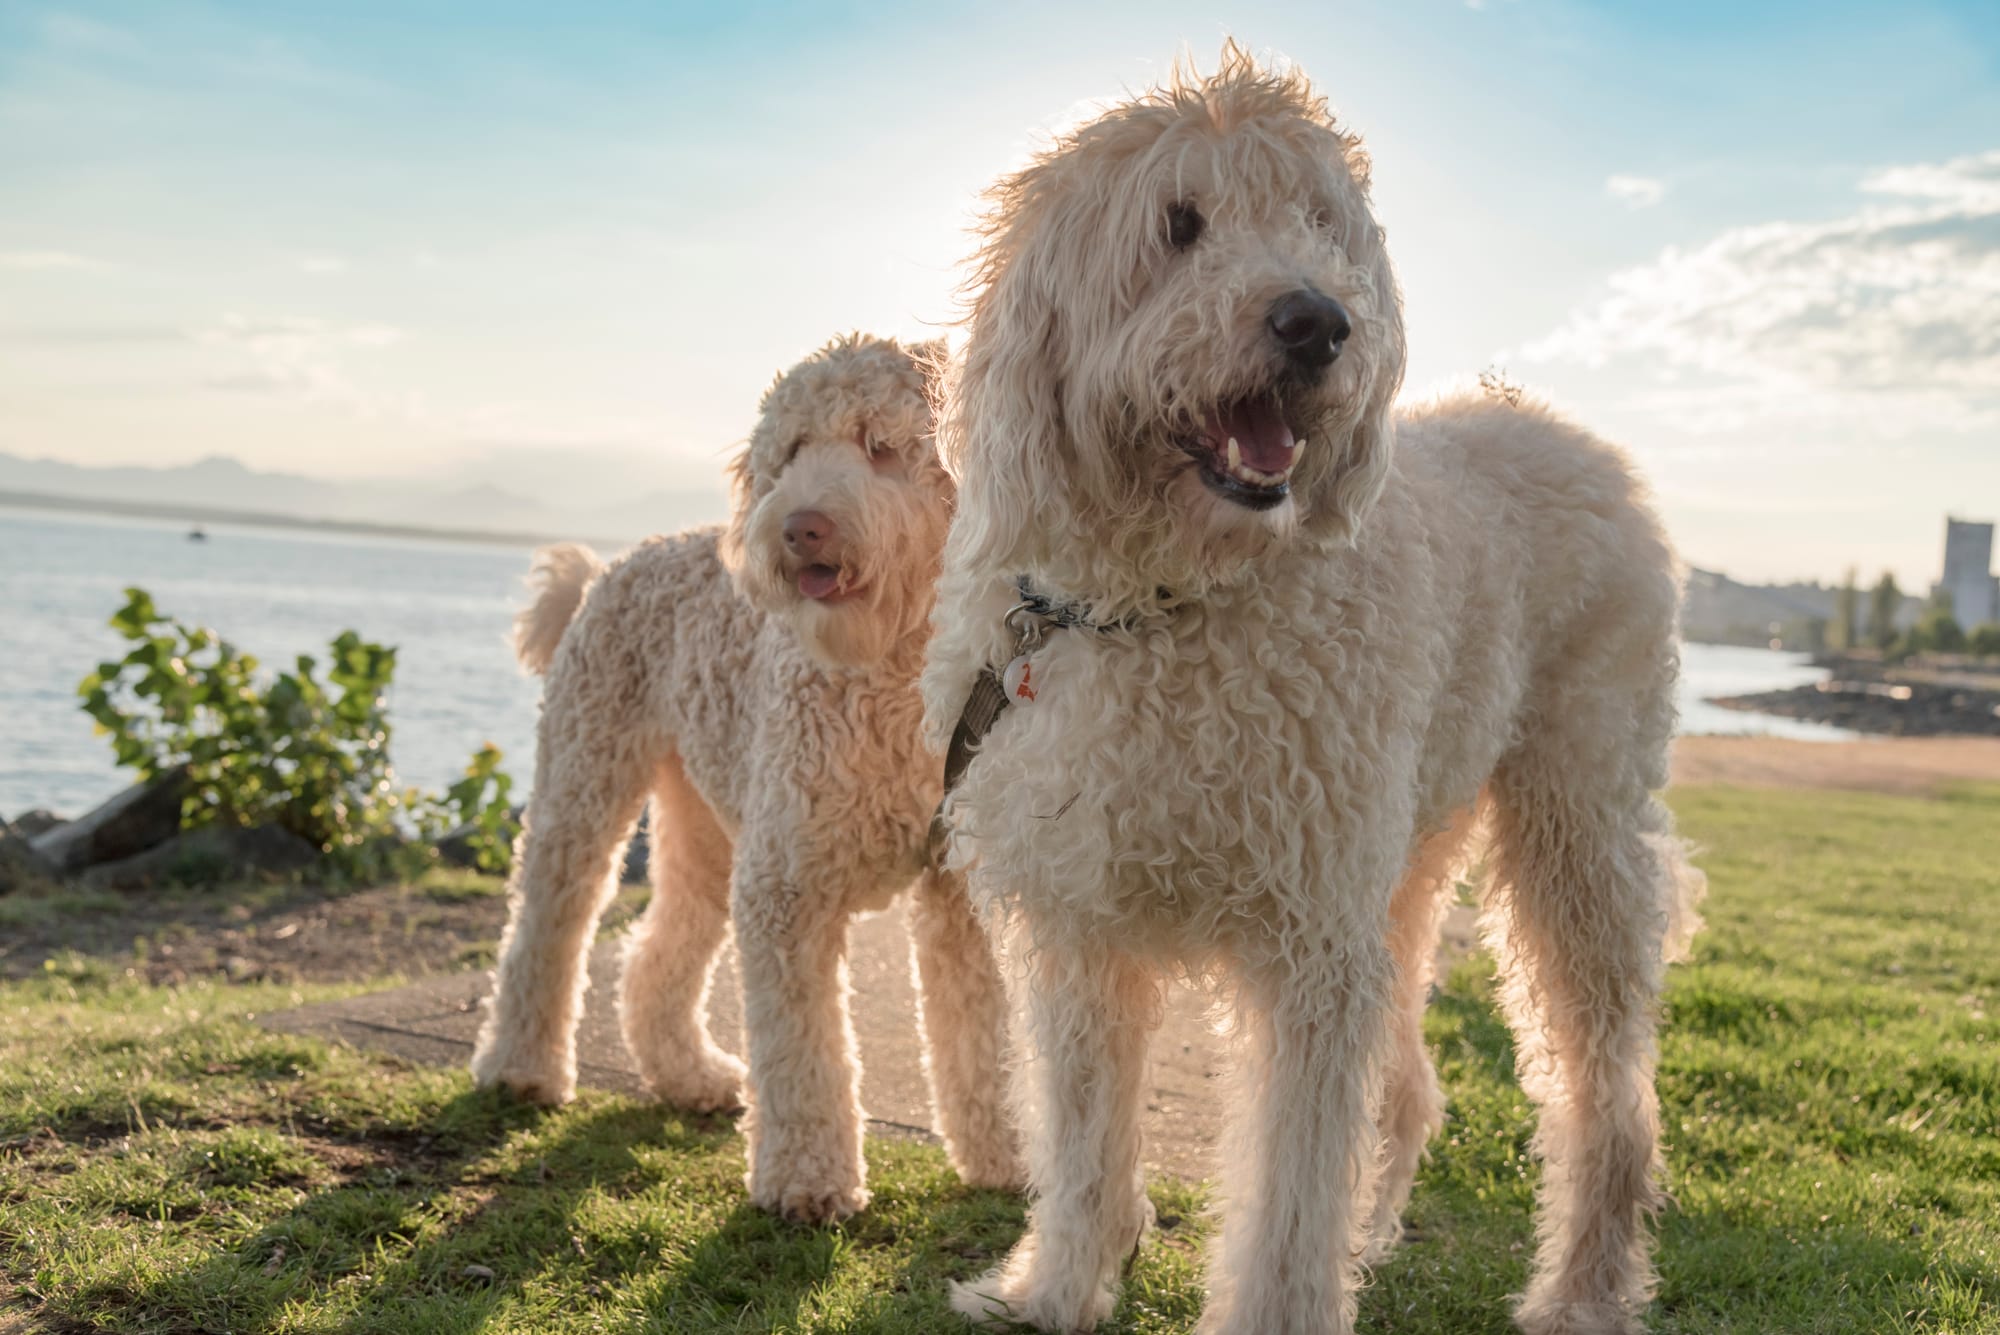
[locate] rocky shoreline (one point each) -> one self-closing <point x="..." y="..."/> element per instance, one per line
<point x="1886" y="702"/>
<point x="135" y="841"/>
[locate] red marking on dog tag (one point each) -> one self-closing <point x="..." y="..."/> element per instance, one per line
<point x="1018" y="680"/>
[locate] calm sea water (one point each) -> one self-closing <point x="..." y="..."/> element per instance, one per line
<point x="276" y="594"/>
<point x="445" y="605"/>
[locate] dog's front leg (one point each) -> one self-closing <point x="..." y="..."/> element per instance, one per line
<point x="962" y="1002"/>
<point x="1310" y="1035"/>
<point x="1091" y="1011"/>
<point x="804" y="1124"/>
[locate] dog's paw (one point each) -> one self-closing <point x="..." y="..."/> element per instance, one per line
<point x="714" y="1084"/>
<point x="1384" y="1237"/>
<point x="805" y="1200"/>
<point x="1001" y="1300"/>
<point x="544" y="1082"/>
<point x="997" y="1167"/>
<point x="1537" y="1315"/>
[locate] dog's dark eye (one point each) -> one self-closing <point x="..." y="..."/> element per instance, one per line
<point x="1184" y="224"/>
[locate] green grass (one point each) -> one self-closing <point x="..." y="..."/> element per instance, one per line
<point x="1830" y="1075"/>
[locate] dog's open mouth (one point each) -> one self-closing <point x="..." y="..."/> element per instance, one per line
<point x="1246" y="451"/>
<point x="822" y="583"/>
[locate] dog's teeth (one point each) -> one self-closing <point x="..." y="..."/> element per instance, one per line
<point x="1298" y="448"/>
<point x="1235" y="456"/>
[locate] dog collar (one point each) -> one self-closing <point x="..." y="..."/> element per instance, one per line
<point x="1048" y="611"/>
<point x="1029" y="620"/>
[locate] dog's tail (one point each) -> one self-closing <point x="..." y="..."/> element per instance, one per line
<point x="1684" y="889"/>
<point x="561" y="574"/>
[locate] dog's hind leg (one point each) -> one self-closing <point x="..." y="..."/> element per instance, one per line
<point x="1091" y="1012"/>
<point x="1412" y="1107"/>
<point x="670" y="955"/>
<point x="1579" y="914"/>
<point x="962" y="1006"/>
<point x="589" y="786"/>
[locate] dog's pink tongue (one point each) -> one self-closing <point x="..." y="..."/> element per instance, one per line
<point x="1261" y="434"/>
<point x="817" y="582"/>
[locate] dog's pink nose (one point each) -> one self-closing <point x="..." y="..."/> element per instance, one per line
<point x="806" y="532"/>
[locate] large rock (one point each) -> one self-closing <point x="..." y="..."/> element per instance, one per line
<point x="39" y="821"/>
<point x="21" y="867"/>
<point x="215" y="855"/>
<point x="454" y="848"/>
<point x="137" y="819"/>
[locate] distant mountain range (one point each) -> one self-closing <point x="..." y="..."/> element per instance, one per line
<point x="228" y="488"/>
<point x="1717" y="608"/>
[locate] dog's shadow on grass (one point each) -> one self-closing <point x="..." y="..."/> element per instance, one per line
<point x="623" y="1211"/>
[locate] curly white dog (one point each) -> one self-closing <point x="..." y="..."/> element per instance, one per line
<point x="759" y="685"/>
<point x="1286" y="646"/>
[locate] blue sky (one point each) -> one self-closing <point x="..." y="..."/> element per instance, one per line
<point x="566" y="248"/>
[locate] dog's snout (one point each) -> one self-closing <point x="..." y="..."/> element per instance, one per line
<point x="806" y="532"/>
<point x="1310" y="326"/>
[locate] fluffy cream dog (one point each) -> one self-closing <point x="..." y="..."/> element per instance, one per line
<point x="1287" y="646"/>
<point x="758" y="684"/>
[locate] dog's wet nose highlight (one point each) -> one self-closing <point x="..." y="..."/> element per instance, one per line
<point x="1310" y="326"/>
<point x="807" y="531"/>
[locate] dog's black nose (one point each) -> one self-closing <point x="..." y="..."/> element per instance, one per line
<point x="1310" y="326"/>
<point x="806" y="531"/>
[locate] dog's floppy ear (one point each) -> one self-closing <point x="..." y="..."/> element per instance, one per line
<point x="932" y="358"/>
<point x="742" y="474"/>
<point x="741" y="493"/>
<point x="1001" y="435"/>
<point x="1338" y="498"/>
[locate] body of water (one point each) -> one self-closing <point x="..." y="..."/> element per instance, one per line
<point x="1712" y="670"/>
<point x="446" y="606"/>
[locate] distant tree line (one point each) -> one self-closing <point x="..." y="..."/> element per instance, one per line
<point x="1936" y="629"/>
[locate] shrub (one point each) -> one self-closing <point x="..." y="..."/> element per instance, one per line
<point x="1938" y="632"/>
<point x="1984" y="640"/>
<point x="309" y="756"/>
<point x="479" y="801"/>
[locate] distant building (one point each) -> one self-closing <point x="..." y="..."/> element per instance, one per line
<point x="1969" y="586"/>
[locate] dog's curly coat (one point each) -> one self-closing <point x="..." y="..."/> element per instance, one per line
<point x="759" y="685"/>
<point x="1336" y="639"/>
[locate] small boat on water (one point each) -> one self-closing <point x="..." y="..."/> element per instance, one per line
<point x="197" y="534"/>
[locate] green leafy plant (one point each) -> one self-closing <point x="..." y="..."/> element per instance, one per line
<point x="479" y="802"/>
<point x="290" y="749"/>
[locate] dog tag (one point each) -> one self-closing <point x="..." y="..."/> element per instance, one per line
<point x="1019" y="680"/>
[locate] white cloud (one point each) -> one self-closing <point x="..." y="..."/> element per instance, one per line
<point x="1969" y="183"/>
<point x="1635" y="192"/>
<point x="1891" y="314"/>
<point x="47" y="260"/>
<point x="320" y="265"/>
<point x="293" y="354"/>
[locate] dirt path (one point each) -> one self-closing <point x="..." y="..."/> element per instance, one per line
<point x="1908" y="765"/>
<point x="280" y="933"/>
